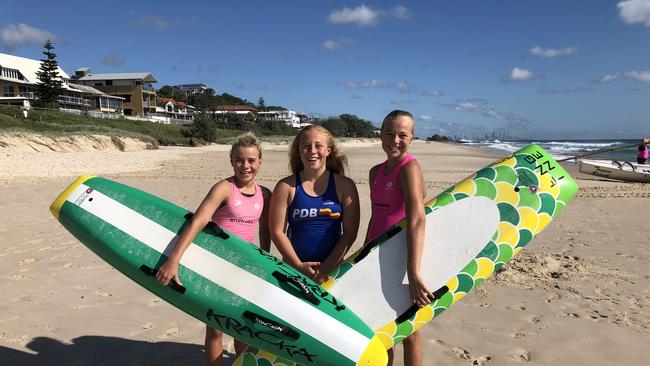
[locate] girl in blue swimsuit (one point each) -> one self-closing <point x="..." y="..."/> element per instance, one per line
<point x="314" y="213"/>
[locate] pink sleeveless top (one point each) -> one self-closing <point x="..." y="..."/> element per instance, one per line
<point x="387" y="199"/>
<point x="643" y="154"/>
<point x="241" y="213"/>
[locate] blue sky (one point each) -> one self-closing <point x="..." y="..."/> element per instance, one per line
<point x="536" y="69"/>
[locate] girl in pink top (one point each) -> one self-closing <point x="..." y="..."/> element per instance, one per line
<point x="236" y="204"/>
<point x="397" y="191"/>
<point x="642" y="155"/>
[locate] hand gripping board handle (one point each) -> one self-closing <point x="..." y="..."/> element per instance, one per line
<point x="172" y="284"/>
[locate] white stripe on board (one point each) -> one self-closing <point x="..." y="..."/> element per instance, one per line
<point x="276" y="301"/>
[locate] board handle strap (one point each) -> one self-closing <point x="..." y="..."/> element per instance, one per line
<point x="172" y="284"/>
<point x="408" y="314"/>
<point x="298" y="284"/>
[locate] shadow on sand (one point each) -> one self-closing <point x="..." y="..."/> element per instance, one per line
<point x="99" y="350"/>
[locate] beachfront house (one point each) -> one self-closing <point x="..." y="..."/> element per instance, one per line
<point x="290" y="118"/>
<point x="135" y="87"/>
<point x="92" y="102"/>
<point x="174" y="112"/>
<point x="190" y="89"/>
<point x="219" y="112"/>
<point x="18" y="80"/>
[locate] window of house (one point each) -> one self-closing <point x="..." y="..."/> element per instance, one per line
<point x="109" y="82"/>
<point x="24" y="91"/>
<point x="98" y="84"/>
<point x="8" y="91"/>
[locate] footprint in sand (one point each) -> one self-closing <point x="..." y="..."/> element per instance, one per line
<point x="27" y="261"/>
<point x="154" y="302"/>
<point x="481" y="361"/>
<point x="171" y="332"/>
<point x="461" y="353"/>
<point x="522" y="355"/>
<point x="535" y="319"/>
<point x="103" y="294"/>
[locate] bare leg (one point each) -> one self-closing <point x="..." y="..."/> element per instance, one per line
<point x="213" y="346"/>
<point x="390" y="357"/>
<point x="413" y="350"/>
<point x="240" y="347"/>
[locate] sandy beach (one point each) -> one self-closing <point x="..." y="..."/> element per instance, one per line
<point x="579" y="294"/>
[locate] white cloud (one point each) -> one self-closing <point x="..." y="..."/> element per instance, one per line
<point x="551" y="52"/>
<point x="365" y="16"/>
<point x="427" y="118"/>
<point x="369" y="84"/>
<point x="13" y="36"/>
<point x="362" y="15"/>
<point x="335" y="44"/>
<point x="637" y="75"/>
<point x="467" y="106"/>
<point x="643" y="76"/>
<point x="571" y="89"/>
<point x="161" y="23"/>
<point x="401" y="12"/>
<point x="517" y="74"/>
<point x="635" y="11"/>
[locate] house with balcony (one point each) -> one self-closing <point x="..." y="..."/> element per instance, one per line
<point x="175" y="112"/>
<point x="92" y="101"/>
<point x="245" y="111"/>
<point x="190" y="89"/>
<point x="18" y="79"/>
<point x="290" y="118"/>
<point x="135" y="87"/>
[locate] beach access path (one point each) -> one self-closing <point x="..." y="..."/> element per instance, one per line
<point x="579" y="294"/>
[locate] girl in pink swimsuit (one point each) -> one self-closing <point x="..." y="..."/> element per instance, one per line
<point x="397" y="190"/>
<point x="236" y="204"/>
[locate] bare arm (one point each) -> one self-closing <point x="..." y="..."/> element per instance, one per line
<point x="371" y="179"/>
<point x="217" y="195"/>
<point x="280" y="201"/>
<point x="265" y="236"/>
<point x="349" y="199"/>
<point x="411" y="183"/>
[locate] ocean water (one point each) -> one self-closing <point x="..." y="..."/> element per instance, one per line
<point x="560" y="149"/>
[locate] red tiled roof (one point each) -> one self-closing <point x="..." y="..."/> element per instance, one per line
<point x="165" y="100"/>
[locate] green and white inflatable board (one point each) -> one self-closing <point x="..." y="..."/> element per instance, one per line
<point x="228" y="283"/>
<point x="472" y="229"/>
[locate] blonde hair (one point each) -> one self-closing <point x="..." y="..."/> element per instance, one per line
<point x="396" y="114"/>
<point x="336" y="160"/>
<point x="246" y="140"/>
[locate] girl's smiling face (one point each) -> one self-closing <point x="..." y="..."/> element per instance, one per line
<point x="314" y="150"/>
<point x="245" y="161"/>
<point x="396" y="136"/>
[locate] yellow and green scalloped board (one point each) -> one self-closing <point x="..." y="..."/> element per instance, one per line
<point x="473" y="228"/>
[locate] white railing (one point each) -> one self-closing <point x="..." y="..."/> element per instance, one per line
<point x="73" y="100"/>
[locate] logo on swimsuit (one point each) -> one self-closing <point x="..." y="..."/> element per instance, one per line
<point x="303" y="213"/>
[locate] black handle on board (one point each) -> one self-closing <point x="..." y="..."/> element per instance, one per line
<point x="268" y="323"/>
<point x="172" y="284"/>
<point x="299" y="284"/>
<point x="216" y="229"/>
<point x="408" y="314"/>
